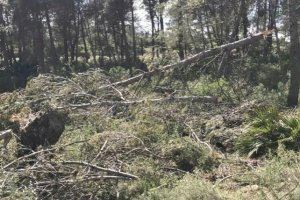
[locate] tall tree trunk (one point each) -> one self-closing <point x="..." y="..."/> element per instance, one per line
<point x="180" y="39"/>
<point x="152" y="17"/>
<point x="65" y="43"/>
<point x="92" y="46"/>
<point x="83" y="36"/>
<point x="133" y="33"/>
<point x="293" y="96"/>
<point x="54" y="57"/>
<point x="125" y="42"/>
<point x="3" y="48"/>
<point x="39" y="43"/>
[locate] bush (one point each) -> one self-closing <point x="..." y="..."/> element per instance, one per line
<point x="189" y="188"/>
<point x="267" y="131"/>
<point x="278" y="179"/>
<point x="275" y="96"/>
<point x="188" y="154"/>
<point x="117" y="73"/>
<point x="80" y="67"/>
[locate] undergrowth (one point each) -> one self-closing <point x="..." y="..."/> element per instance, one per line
<point x="268" y="129"/>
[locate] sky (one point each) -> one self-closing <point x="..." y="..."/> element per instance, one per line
<point x="143" y="21"/>
<point x="144" y="24"/>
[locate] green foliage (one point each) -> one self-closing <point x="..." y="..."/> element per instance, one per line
<point x="190" y="187"/>
<point x="278" y="179"/>
<point x="188" y="155"/>
<point x="267" y="131"/>
<point x="208" y="87"/>
<point x="80" y="66"/>
<point x="150" y="177"/>
<point x="275" y="96"/>
<point x="117" y="73"/>
<point x="270" y="75"/>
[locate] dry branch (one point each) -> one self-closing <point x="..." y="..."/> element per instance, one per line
<point x="75" y="181"/>
<point x="39" y="152"/>
<point x="196" y="58"/>
<point x="122" y="174"/>
<point x="203" y="99"/>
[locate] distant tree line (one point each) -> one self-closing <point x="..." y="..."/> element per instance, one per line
<point x="53" y="35"/>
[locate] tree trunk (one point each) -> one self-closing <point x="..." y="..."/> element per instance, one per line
<point x="133" y="33"/>
<point x="53" y="52"/>
<point x="39" y="43"/>
<point x="3" y="49"/>
<point x="293" y="96"/>
<point x="65" y="42"/>
<point x="151" y="13"/>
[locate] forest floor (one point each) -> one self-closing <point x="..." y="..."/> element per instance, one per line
<point x="147" y="142"/>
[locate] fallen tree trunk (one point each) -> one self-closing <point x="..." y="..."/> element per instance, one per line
<point x="204" y="54"/>
<point x="202" y="99"/>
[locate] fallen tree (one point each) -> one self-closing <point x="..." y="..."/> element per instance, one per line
<point x="202" y="99"/>
<point x="204" y="54"/>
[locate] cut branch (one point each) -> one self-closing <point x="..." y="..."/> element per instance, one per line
<point x="196" y="58"/>
<point x="80" y="180"/>
<point x="203" y="99"/>
<point x="112" y="171"/>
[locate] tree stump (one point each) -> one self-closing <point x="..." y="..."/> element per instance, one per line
<point x="39" y="129"/>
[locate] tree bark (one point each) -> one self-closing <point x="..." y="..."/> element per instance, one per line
<point x="133" y="33"/>
<point x="54" y="56"/>
<point x="293" y="96"/>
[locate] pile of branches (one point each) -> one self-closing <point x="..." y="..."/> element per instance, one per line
<point x="48" y="174"/>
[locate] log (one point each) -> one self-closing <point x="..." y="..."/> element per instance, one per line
<point x="202" y="99"/>
<point x="194" y="59"/>
<point x="43" y="128"/>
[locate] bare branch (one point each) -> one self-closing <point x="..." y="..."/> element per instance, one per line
<point x="123" y="174"/>
<point x="204" y="99"/>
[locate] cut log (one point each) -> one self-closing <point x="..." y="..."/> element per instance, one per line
<point x="40" y="129"/>
<point x="194" y="59"/>
<point x="202" y="99"/>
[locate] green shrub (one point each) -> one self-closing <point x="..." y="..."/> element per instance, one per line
<point x="278" y="179"/>
<point x="275" y="96"/>
<point x="80" y="67"/>
<point x="150" y="175"/>
<point x="209" y="87"/>
<point x="117" y="73"/>
<point x="189" y="188"/>
<point x="267" y="131"/>
<point x="188" y="154"/>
